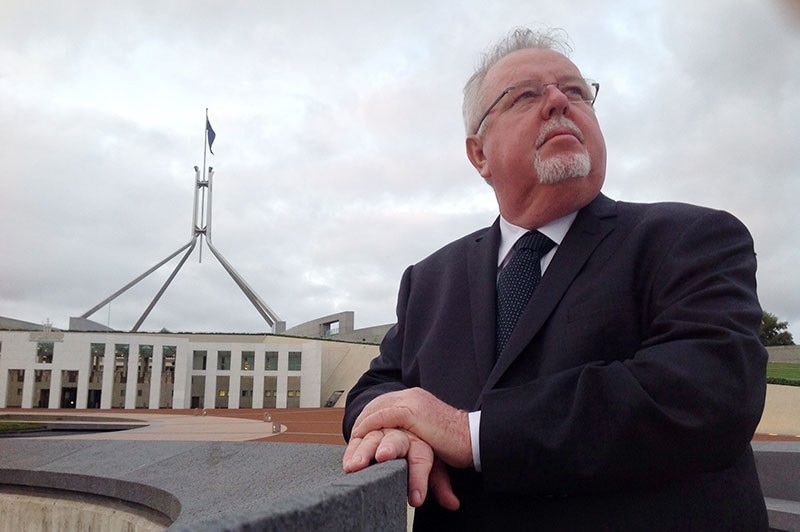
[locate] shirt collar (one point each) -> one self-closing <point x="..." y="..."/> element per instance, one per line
<point x="510" y="233"/>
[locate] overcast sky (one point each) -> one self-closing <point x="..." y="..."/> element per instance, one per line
<point x="339" y="157"/>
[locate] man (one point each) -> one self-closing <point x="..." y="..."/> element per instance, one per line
<point x="625" y="396"/>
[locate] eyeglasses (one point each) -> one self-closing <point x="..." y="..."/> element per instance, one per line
<point x="576" y="90"/>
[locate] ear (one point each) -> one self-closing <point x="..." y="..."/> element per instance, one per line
<point x="477" y="157"/>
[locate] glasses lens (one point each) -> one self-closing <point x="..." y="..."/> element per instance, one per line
<point x="577" y="90"/>
<point x="592" y="86"/>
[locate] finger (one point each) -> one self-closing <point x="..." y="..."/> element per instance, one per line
<point x="420" y="461"/>
<point x="442" y="488"/>
<point x="388" y="417"/>
<point x="395" y="444"/>
<point x="361" y="451"/>
<point x="350" y="451"/>
<point x="402" y="402"/>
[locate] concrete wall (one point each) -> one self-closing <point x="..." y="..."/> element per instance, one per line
<point x="784" y="353"/>
<point x="781" y="411"/>
<point x="346" y="332"/>
<point x="317" y="328"/>
<point x="30" y="509"/>
<point x="372" y="335"/>
<point x="343" y="365"/>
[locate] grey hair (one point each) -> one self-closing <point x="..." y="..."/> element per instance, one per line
<point x="518" y="39"/>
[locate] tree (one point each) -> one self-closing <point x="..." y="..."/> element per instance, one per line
<point x="774" y="332"/>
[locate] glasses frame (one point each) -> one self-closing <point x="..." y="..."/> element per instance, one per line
<point x="557" y="84"/>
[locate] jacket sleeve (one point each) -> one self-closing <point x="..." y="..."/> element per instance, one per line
<point x="385" y="371"/>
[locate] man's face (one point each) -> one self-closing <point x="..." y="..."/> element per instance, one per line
<point x="545" y="156"/>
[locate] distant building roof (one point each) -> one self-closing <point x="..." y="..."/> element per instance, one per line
<point x="10" y="324"/>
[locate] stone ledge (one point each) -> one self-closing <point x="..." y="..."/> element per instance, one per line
<point x="778" y="465"/>
<point x="783" y="515"/>
<point x="218" y="485"/>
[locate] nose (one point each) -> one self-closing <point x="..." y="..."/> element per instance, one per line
<point x="555" y="102"/>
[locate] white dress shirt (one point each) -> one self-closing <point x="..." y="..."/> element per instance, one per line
<point x="509" y="234"/>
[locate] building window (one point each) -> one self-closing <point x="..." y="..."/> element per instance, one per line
<point x="121" y="352"/>
<point x="330" y="329"/>
<point x="270" y="391"/>
<point x="223" y="360"/>
<point x="145" y="363"/>
<point x="271" y="361"/>
<point x="44" y="352"/>
<point x="96" y="353"/>
<point x="248" y="360"/>
<point x="169" y="353"/>
<point x="223" y="388"/>
<point x="199" y="360"/>
<point x="293" y="392"/>
<point x="295" y="359"/>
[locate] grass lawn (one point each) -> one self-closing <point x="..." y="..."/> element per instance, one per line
<point x="7" y="426"/>
<point x="783" y="373"/>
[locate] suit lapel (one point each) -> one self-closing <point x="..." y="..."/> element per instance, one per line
<point x="590" y="227"/>
<point x="482" y="282"/>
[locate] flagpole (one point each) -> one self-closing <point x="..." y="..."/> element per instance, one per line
<point x="203" y="199"/>
<point x="205" y="144"/>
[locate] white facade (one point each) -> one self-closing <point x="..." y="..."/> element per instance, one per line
<point x="53" y="369"/>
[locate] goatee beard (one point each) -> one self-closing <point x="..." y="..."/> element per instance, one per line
<point x="562" y="167"/>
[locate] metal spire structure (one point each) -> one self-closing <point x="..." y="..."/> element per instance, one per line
<point x="201" y="229"/>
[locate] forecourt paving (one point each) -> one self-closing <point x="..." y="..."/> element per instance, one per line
<point x="155" y="427"/>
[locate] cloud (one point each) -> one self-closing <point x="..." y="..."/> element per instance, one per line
<point x="339" y="151"/>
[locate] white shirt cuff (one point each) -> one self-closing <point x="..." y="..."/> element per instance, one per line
<point x="475" y="438"/>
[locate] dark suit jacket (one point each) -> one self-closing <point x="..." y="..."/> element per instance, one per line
<point x="627" y="395"/>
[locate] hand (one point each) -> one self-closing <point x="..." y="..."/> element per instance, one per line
<point x="423" y="469"/>
<point x="444" y="428"/>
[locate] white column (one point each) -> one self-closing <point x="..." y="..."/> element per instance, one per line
<point x="83" y="388"/>
<point x="27" y="388"/>
<point x="258" y="380"/>
<point x="155" y="377"/>
<point x="283" y="377"/>
<point x="210" y="396"/>
<point x="107" y="388"/>
<point x="181" y="388"/>
<point x="311" y="375"/>
<point x="133" y="378"/>
<point x="4" y="381"/>
<point x="55" y="389"/>
<point x="235" y="379"/>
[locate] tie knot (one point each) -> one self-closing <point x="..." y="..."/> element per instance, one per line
<point x="536" y="242"/>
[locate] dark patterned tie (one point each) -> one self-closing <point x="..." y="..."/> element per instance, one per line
<point x="517" y="282"/>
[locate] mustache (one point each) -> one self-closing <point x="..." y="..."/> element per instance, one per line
<point x="559" y="123"/>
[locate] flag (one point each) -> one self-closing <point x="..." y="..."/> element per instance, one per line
<point x="210" y="135"/>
